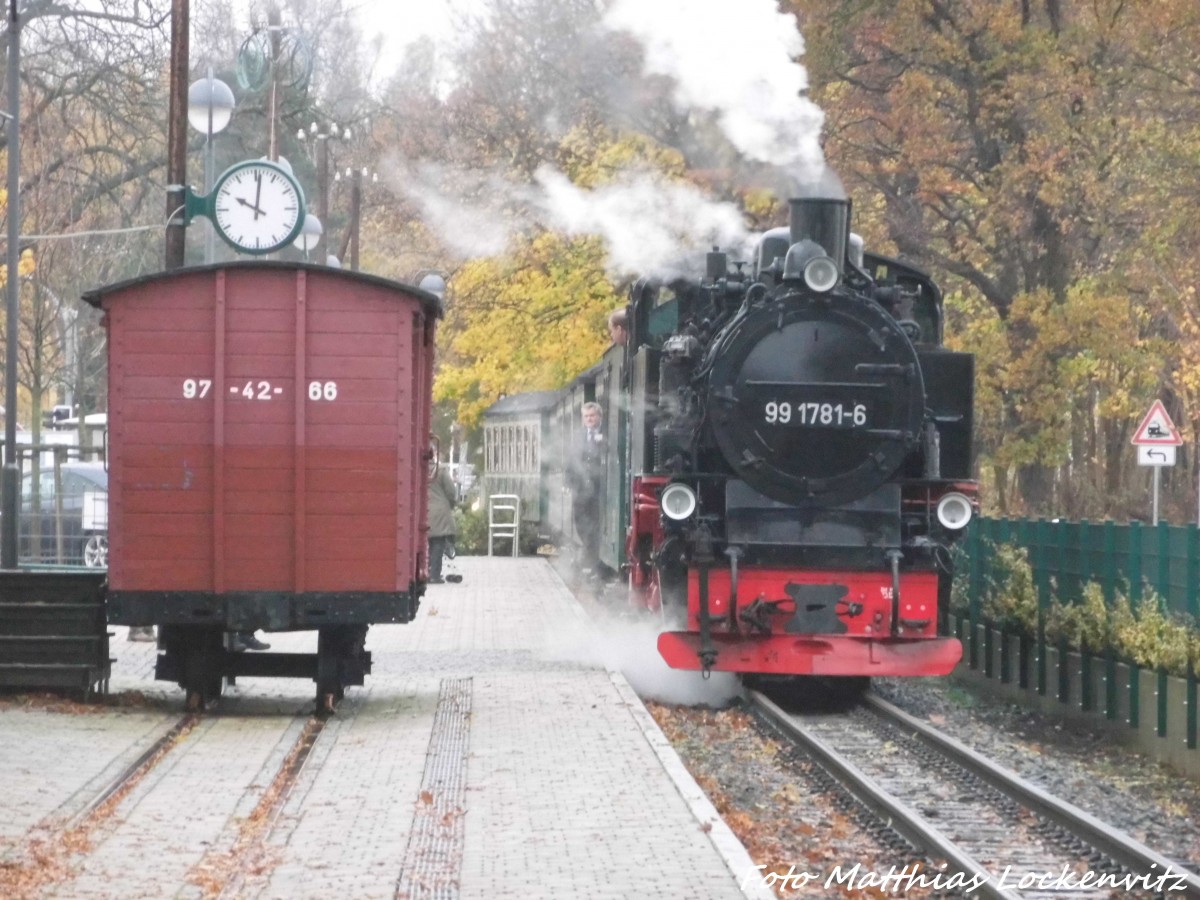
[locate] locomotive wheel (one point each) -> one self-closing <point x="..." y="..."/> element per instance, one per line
<point x="809" y="692"/>
<point x="854" y="687"/>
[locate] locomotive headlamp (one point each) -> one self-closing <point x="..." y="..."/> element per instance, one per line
<point x="821" y="274"/>
<point x="678" y="501"/>
<point x="954" y="511"/>
<point x="808" y="261"/>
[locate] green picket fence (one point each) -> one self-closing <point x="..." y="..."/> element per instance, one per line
<point x="1064" y="556"/>
<point x="1165" y="557"/>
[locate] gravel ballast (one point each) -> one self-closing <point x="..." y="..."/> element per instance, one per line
<point x="790" y="820"/>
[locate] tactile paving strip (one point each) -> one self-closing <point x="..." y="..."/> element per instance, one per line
<point x="432" y="863"/>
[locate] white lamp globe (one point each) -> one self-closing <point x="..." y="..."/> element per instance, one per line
<point x="205" y="94"/>
<point x="310" y="233"/>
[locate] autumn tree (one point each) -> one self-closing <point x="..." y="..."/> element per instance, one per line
<point x="530" y="320"/>
<point x="538" y="86"/>
<point x="1017" y="149"/>
<point x="92" y="136"/>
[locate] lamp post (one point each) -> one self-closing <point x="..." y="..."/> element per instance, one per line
<point x="434" y="283"/>
<point x="11" y="474"/>
<point x="350" y="243"/>
<point x="321" y="139"/>
<point x="210" y="108"/>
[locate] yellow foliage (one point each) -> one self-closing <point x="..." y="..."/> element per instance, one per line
<point x="763" y="207"/>
<point x="1141" y="632"/>
<point x="536" y="317"/>
<point x="593" y="155"/>
<point x="531" y="320"/>
<point x="26" y="266"/>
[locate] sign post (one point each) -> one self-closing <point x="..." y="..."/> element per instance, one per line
<point x="1156" y="439"/>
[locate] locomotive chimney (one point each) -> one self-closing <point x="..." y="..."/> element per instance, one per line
<point x="717" y="264"/>
<point x="825" y="221"/>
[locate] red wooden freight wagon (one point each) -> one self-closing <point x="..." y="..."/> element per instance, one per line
<point x="268" y="445"/>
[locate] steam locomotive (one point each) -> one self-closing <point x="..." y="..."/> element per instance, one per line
<point x="791" y="457"/>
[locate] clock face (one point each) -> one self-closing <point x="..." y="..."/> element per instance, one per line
<point x="257" y="207"/>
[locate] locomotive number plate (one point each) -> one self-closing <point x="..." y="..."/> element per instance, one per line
<point x="821" y="415"/>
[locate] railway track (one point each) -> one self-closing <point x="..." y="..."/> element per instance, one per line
<point x="988" y="833"/>
<point x="234" y="772"/>
<point x="227" y="867"/>
<point x="41" y="858"/>
<point x="111" y="792"/>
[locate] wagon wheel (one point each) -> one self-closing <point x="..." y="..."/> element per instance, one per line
<point x="202" y="658"/>
<point x="333" y="645"/>
<point x="329" y="687"/>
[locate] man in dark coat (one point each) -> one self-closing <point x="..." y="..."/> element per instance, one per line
<point x="585" y="477"/>
<point x="442" y="530"/>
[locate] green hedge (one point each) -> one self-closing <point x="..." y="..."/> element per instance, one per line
<point x="1139" y="630"/>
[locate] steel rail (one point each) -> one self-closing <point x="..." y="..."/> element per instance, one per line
<point x="233" y="863"/>
<point x="898" y="815"/>
<point x="135" y="769"/>
<point x="1115" y="844"/>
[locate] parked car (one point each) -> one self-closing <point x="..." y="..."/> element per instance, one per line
<point x="67" y="530"/>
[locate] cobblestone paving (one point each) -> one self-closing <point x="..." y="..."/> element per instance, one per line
<point x="188" y="804"/>
<point x="49" y="779"/>
<point x="565" y="794"/>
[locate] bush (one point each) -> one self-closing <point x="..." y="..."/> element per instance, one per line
<point x="960" y="584"/>
<point x="472" y="531"/>
<point x="1009" y="595"/>
<point x="472" y="534"/>
<point x="1089" y="625"/>
<point x="1152" y="637"/>
<point x="1144" y="634"/>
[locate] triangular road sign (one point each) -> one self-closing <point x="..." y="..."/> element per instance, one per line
<point x="1157" y="429"/>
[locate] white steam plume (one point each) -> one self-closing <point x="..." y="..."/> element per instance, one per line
<point x="649" y="222"/>
<point x="631" y="648"/>
<point x="744" y="71"/>
<point x="470" y="210"/>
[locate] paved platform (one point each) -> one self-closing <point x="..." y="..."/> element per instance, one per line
<point x="491" y="754"/>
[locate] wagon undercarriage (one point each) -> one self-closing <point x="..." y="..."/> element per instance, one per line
<point x="196" y="629"/>
<point x="199" y="659"/>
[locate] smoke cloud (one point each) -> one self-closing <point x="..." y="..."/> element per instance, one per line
<point x="744" y="71"/>
<point x="744" y="75"/>
<point x="474" y="212"/>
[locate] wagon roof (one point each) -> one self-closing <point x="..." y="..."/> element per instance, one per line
<point x="95" y="295"/>
<point x="532" y="401"/>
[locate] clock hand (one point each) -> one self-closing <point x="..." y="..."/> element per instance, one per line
<point x="257" y="212"/>
<point x="257" y="196"/>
